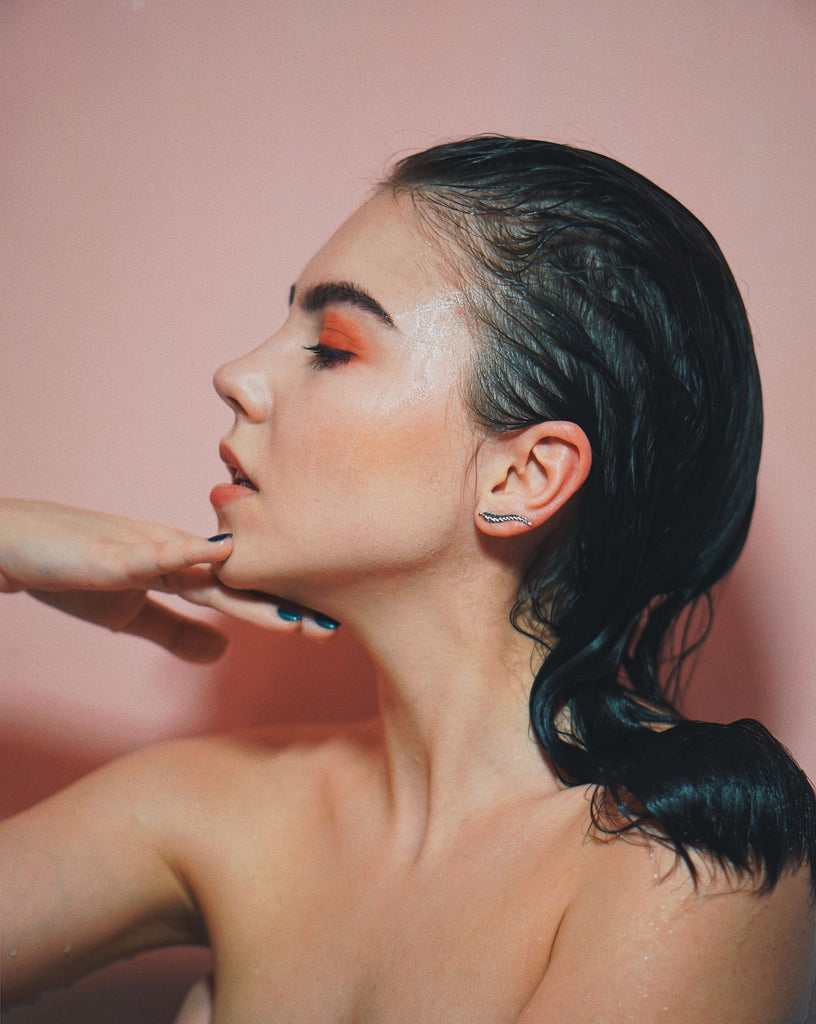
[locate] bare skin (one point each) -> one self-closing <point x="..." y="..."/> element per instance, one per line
<point x="426" y="866"/>
<point x="317" y="909"/>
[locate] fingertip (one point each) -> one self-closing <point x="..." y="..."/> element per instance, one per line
<point x="320" y="628"/>
<point x="321" y="636"/>
<point x="219" y="547"/>
<point x="329" y="624"/>
<point x="289" y="614"/>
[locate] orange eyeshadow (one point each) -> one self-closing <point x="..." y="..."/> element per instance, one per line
<point x="337" y="332"/>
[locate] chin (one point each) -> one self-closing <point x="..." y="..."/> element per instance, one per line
<point x="240" y="574"/>
<point x="229" y="573"/>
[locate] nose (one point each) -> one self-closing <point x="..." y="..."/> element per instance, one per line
<point x="245" y="385"/>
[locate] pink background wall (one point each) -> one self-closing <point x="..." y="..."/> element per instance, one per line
<point x="168" y="166"/>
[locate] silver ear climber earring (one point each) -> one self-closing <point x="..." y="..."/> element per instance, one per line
<point x="505" y="519"/>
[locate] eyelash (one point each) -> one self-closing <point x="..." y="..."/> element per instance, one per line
<point x="324" y="357"/>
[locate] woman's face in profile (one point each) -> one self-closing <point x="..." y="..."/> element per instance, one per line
<point x="351" y="444"/>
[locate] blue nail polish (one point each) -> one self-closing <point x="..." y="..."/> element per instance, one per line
<point x="218" y="536"/>
<point x="325" y="622"/>
<point x="289" y="615"/>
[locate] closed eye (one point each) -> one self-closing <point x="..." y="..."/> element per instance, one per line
<point x="324" y="357"/>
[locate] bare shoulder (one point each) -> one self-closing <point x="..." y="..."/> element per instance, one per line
<point x="300" y="753"/>
<point x="640" y="941"/>
<point x="276" y="769"/>
<point x="284" y="781"/>
<point x="114" y="863"/>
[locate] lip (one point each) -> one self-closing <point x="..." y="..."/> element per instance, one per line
<point x="240" y="477"/>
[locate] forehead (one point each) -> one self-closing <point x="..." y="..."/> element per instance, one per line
<point x="382" y="249"/>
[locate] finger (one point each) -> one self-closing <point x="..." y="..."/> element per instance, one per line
<point x="186" y="638"/>
<point x="260" y="610"/>
<point x="148" y="564"/>
<point x="179" y="553"/>
<point x="319" y="628"/>
<point x="293" y="618"/>
<point x="199" y="586"/>
<point x="269" y="613"/>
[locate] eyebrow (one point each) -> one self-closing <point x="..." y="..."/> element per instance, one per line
<point x="343" y="293"/>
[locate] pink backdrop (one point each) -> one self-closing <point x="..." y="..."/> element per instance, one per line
<point x="167" y="168"/>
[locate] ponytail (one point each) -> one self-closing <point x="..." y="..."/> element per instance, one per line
<point x="600" y="299"/>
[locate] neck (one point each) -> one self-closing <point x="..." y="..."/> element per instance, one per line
<point x="454" y="680"/>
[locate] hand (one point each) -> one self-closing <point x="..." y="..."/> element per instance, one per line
<point x="50" y="547"/>
<point x="99" y="567"/>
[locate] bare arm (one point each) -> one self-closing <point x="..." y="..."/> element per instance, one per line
<point x="90" y="875"/>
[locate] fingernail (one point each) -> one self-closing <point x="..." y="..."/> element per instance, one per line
<point x="219" y="536"/>
<point x="325" y="622"/>
<point x="289" y="615"/>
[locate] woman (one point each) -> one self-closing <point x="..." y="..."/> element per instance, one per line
<point x="509" y="436"/>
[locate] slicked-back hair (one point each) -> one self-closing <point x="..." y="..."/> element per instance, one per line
<point x="600" y="299"/>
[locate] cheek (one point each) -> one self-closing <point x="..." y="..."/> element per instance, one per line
<point x="376" y="488"/>
<point x="375" y="447"/>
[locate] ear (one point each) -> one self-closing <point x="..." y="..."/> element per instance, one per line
<point x="530" y="474"/>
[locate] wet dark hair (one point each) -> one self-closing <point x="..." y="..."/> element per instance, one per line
<point x="601" y="300"/>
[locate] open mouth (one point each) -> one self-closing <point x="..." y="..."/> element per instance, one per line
<point x="239" y="477"/>
<point x="240" y="480"/>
